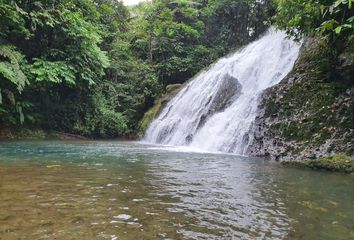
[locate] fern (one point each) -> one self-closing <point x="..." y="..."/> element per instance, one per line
<point x="10" y="68"/>
<point x="55" y="72"/>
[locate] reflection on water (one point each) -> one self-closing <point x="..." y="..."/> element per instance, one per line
<point x="117" y="190"/>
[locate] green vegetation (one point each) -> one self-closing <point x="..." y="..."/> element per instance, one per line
<point x="333" y="20"/>
<point x="94" y="67"/>
<point x="51" y="58"/>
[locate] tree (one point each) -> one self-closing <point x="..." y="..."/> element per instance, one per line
<point x="333" y="19"/>
<point x="232" y="24"/>
<point x="44" y="44"/>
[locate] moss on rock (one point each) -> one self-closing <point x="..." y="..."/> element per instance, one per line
<point x="149" y="116"/>
<point x="311" y="111"/>
<point x="160" y="103"/>
<point x="336" y="163"/>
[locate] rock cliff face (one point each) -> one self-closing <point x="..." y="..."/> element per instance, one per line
<point x="311" y="112"/>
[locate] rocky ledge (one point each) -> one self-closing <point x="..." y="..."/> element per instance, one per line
<point x="310" y="114"/>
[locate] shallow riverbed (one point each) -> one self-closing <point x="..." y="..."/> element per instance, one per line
<point x="126" y="190"/>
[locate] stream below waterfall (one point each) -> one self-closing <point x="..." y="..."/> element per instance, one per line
<point x="127" y="190"/>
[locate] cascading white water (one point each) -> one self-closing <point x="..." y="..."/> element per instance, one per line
<point x="216" y="110"/>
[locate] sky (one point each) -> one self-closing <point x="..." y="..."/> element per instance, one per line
<point x="131" y="2"/>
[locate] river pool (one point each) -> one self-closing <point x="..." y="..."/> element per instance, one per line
<point x="126" y="190"/>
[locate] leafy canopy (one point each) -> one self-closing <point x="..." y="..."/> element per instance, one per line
<point x="334" y="19"/>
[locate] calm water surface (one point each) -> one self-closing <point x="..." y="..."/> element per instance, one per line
<point x="122" y="190"/>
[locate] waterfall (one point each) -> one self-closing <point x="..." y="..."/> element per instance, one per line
<point x="216" y="110"/>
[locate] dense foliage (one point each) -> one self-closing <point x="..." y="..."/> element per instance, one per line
<point x="333" y="19"/>
<point x="53" y="47"/>
<point x="93" y="67"/>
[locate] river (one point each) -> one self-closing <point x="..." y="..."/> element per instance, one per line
<point x="126" y="190"/>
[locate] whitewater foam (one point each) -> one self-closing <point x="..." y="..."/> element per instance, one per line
<point x="216" y="110"/>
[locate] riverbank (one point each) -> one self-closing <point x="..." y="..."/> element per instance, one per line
<point x="336" y="163"/>
<point x="36" y="134"/>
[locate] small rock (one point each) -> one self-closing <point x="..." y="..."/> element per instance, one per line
<point x="78" y="220"/>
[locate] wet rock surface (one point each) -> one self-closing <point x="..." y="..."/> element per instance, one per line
<point x="309" y="114"/>
<point x="229" y="90"/>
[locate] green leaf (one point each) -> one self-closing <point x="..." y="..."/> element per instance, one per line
<point x="338" y="29"/>
<point x="10" y="67"/>
<point x="54" y="72"/>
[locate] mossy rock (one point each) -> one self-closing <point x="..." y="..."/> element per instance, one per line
<point x="149" y="116"/>
<point x="335" y="163"/>
<point x="311" y="108"/>
<point x="160" y="103"/>
<point x="171" y="89"/>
